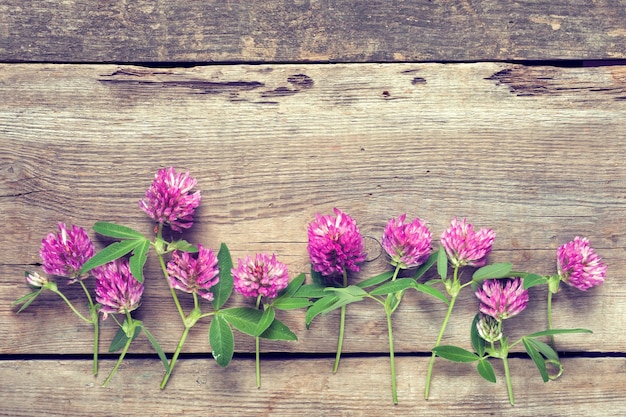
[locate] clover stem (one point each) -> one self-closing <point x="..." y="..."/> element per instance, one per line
<point x="507" y="375"/>
<point x="257" y="343"/>
<point x="552" y="341"/>
<point x="453" y="295"/>
<point x="394" y="391"/>
<point x="131" y="332"/>
<point x="342" y="324"/>
<point x="179" y="347"/>
<point x="95" y="317"/>
<point x="439" y="337"/>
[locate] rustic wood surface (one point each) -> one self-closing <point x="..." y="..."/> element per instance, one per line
<point x="310" y="31"/>
<point x="534" y="152"/>
<point x="297" y="387"/>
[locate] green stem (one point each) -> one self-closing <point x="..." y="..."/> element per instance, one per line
<point x="179" y="347"/>
<point x="60" y="294"/>
<point x="453" y="297"/>
<point x="342" y="324"/>
<point x="131" y="332"/>
<point x="95" y="319"/>
<point x="172" y="291"/>
<point x="507" y="375"/>
<point x="552" y="342"/>
<point x="394" y="390"/>
<point x="258" y="363"/>
<point x="257" y="343"/>
<point x="439" y="337"/>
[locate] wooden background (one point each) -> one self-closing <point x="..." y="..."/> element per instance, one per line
<point x="284" y="109"/>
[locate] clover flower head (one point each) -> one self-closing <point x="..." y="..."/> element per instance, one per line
<point x="35" y="280"/>
<point x="502" y="298"/>
<point x="335" y="244"/>
<point x="65" y="253"/>
<point x="116" y="289"/>
<point x="169" y="199"/>
<point x="261" y="275"/>
<point x="489" y="328"/>
<point x="578" y="264"/>
<point x="465" y="246"/>
<point x="407" y="244"/>
<point x="194" y="275"/>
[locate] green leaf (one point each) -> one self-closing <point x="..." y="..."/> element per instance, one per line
<point x="116" y="231"/>
<point x="138" y="260"/>
<point x="222" y="341"/>
<point x="493" y="271"/>
<point x="26" y="299"/>
<point x="293" y="287"/>
<point x="291" y="303"/>
<point x="485" y="370"/>
<point x="478" y="343"/>
<point x="442" y="264"/>
<point x="427" y="289"/>
<point x="375" y="280"/>
<point x="536" y="357"/>
<point x="244" y="319"/>
<point x="223" y="289"/>
<point x="278" y="331"/>
<point x="112" y="252"/>
<point x="455" y="354"/>
<point x="432" y="259"/>
<point x="394" y="286"/>
<point x="350" y="292"/>
<point x="317" y="308"/>
<point x="558" y="331"/>
<point x="311" y="291"/>
<point x="531" y="280"/>
<point x="157" y="348"/>
<point x="182" y="245"/>
<point x="545" y="349"/>
<point x="120" y="339"/>
<point x="266" y="320"/>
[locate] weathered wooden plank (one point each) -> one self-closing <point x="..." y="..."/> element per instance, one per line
<point x="293" y="387"/>
<point x="534" y="152"/>
<point x="308" y="31"/>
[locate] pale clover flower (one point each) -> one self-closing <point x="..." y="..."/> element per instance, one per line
<point x="194" y="275"/>
<point x="116" y="289"/>
<point x="65" y="253"/>
<point x="335" y="244"/>
<point x="169" y="199"/>
<point x="465" y="246"/>
<point x="502" y="298"/>
<point x="260" y="276"/>
<point x="489" y="328"/>
<point x="579" y="266"/>
<point x="407" y="244"/>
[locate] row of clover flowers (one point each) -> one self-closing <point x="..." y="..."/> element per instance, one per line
<point x="336" y="248"/>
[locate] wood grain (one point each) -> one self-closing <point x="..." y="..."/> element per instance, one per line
<point x="309" y="31"/>
<point x="293" y="387"/>
<point x="534" y="152"/>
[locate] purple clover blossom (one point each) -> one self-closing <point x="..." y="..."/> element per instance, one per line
<point x="169" y="199"/>
<point x="194" y="275"/>
<point x="65" y="253"/>
<point x="502" y="298"/>
<point x="579" y="266"/>
<point x="465" y="246"/>
<point x="116" y="289"/>
<point x="335" y="244"/>
<point x="261" y="275"/>
<point x="408" y="244"/>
